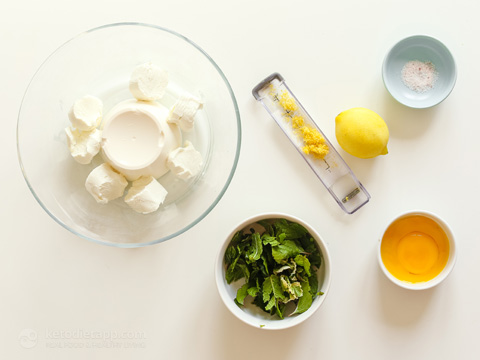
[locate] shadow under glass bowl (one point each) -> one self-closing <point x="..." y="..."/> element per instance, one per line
<point x="99" y="62"/>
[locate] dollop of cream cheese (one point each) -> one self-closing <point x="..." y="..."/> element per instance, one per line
<point x="185" y="162"/>
<point x="148" y="82"/>
<point x="83" y="145"/>
<point x="145" y="195"/>
<point x="105" y="184"/>
<point x="86" y="113"/>
<point x="183" y="112"/>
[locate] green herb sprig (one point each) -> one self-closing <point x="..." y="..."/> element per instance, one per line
<point x="279" y="266"/>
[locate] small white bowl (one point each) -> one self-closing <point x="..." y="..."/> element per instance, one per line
<point x="426" y="49"/>
<point x="249" y="313"/>
<point x="451" y="258"/>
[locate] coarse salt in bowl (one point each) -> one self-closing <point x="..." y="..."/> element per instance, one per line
<point x="251" y="314"/>
<point x="419" y="71"/>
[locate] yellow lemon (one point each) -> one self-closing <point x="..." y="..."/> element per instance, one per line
<point x="362" y="133"/>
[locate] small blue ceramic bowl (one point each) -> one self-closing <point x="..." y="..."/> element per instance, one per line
<point x="425" y="49"/>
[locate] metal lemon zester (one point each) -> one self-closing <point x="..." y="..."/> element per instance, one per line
<point x="332" y="170"/>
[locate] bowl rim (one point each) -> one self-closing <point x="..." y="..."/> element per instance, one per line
<point x="220" y="278"/>
<point x="237" y="150"/>
<point x="429" y="38"/>
<point x="452" y="256"/>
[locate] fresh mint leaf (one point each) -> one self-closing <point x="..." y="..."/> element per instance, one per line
<point x="271" y="303"/>
<point x="269" y="259"/>
<point x="310" y="247"/>
<point x="230" y="254"/>
<point x="272" y="240"/>
<point x="267" y="225"/>
<point x="272" y="285"/>
<point x="255" y="249"/>
<point x="288" y="249"/>
<point x="313" y="281"/>
<point x="236" y="271"/>
<point x="253" y="291"/>
<point x="280" y="310"/>
<point x="242" y="294"/>
<point x="297" y="289"/>
<point x="245" y="270"/>
<point x="315" y="259"/>
<point x="290" y="229"/>
<point x="233" y="272"/>
<point x="258" y="301"/>
<point x="237" y="238"/>
<point x="265" y="265"/>
<point x="302" y="261"/>
<point x="306" y="300"/>
<point x="267" y="289"/>
<point x="277" y="287"/>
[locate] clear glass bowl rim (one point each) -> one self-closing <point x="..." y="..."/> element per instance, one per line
<point x="232" y="170"/>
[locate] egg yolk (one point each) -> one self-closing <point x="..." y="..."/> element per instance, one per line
<point x="415" y="249"/>
<point x="417" y="252"/>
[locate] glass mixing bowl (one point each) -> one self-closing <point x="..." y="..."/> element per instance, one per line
<point x="99" y="62"/>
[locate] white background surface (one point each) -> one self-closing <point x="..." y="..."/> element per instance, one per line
<point x="62" y="287"/>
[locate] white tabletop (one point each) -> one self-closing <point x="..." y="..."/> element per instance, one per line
<point x="81" y="300"/>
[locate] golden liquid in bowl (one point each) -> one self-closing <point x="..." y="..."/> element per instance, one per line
<point x="415" y="249"/>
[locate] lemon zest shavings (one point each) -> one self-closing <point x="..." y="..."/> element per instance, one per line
<point x="314" y="142"/>
<point x="287" y="102"/>
<point x="298" y="122"/>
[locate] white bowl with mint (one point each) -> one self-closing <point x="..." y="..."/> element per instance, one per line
<point x="273" y="271"/>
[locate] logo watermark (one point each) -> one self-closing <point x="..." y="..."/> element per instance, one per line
<point x="28" y="338"/>
<point x="82" y="339"/>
